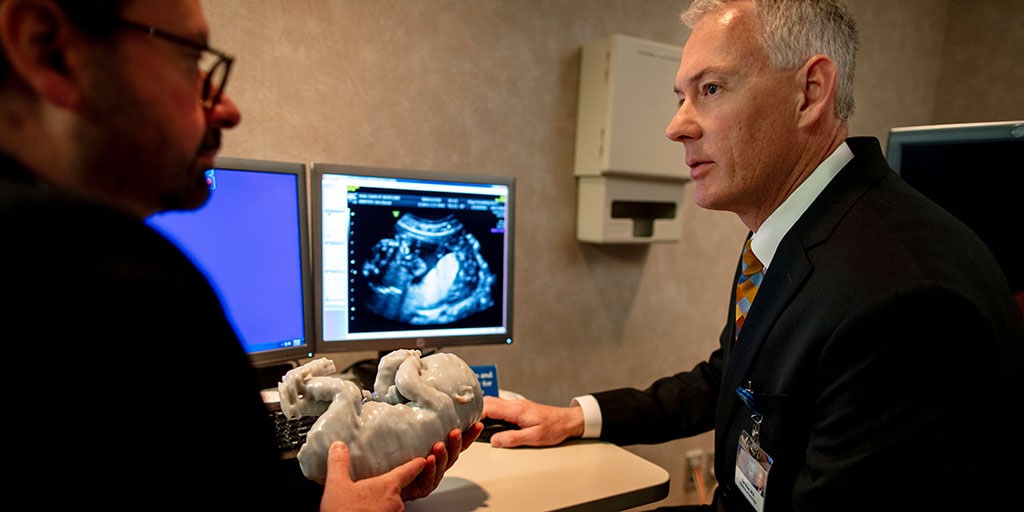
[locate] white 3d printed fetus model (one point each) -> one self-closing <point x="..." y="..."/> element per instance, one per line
<point x="415" y="403"/>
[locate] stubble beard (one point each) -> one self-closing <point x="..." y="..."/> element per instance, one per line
<point x="128" y="157"/>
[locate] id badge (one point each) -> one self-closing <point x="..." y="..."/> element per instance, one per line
<point x="752" y="466"/>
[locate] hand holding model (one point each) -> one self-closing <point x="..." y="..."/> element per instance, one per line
<point x="415" y="403"/>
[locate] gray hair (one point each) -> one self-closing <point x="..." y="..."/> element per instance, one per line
<point x="795" y="30"/>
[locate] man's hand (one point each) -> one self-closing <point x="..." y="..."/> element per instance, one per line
<point x="539" y="424"/>
<point x="379" y="493"/>
<point x="440" y="460"/>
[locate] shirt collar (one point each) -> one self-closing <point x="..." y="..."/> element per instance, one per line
<point x="767" y="239"/>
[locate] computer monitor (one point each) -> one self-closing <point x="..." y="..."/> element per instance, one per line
<point x="251" y="239"/>
<point x="976" y="172"/>
<point x="410" y="258"/>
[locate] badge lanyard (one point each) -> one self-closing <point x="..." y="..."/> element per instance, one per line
<point x="752" y="463"/>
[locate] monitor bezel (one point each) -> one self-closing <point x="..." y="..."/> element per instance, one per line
<point x="974" y="133"/>
<point x="292" y="355"/>
<point x="317" y="171"/>
<point x="902" y="136"/>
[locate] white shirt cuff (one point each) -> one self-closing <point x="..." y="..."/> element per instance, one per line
<point x="591" y="415"/>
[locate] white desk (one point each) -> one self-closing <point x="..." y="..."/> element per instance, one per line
<point x="590" y="476"/>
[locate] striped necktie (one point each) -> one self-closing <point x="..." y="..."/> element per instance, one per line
<point x="751" y="273"/>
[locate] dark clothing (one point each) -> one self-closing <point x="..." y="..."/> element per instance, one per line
<point x="134" y="391"/>
<point x="883" y="350"/>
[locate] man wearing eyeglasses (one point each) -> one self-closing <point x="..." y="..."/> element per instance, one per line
<point x="111" y="111"/>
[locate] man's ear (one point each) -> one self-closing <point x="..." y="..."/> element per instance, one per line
<point x="36" y="38"/>
<point x="819" y="89"/>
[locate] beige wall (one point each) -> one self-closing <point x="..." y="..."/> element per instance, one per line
<point x="489" y="86"/>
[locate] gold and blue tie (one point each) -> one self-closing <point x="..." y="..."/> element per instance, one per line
<point x="751" y="273"/>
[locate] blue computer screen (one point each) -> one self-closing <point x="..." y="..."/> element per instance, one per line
<point x="249" y="241"/>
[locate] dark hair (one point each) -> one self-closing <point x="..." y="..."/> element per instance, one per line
<point x="95" y="18"/>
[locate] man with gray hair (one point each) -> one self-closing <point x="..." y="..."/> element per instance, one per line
<point x="872" y="339"/>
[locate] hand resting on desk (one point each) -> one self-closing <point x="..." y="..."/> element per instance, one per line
<point x="493" y="426"/>
<point x="539" y="424"/>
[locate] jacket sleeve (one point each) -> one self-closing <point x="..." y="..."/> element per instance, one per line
<point x="673" y="407"/>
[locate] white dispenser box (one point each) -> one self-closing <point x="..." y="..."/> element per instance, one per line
<point x="613" y="209"/>
<point x="630" y="177"/>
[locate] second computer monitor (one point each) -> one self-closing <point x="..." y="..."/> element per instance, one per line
<point x="976" y="172"/>
<point x="410" y="259"/>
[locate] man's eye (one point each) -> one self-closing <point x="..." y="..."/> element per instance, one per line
<point x="710" y="89"/>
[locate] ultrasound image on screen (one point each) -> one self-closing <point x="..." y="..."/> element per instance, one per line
<point x="414" y="268"/>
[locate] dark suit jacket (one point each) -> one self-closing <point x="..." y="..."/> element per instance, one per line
<point x="882" y="350"/>
<point x="126" y="387"/>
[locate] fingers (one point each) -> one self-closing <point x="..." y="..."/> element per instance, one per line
<point x="425" y="481"/>
<point x="539" y="424"/>
<point x="443" y="457"/>
<point x="437" y="462"/>
<point x="547" y="430"/>
<point x="455" y="446"/>
<point x="505" y="439"/>
<point x="508" y="410"/>
<point x="407" y="473"/>
<point x="416" y="478"/>
<point x="441" y="453"/>
<point x="529" y="436"/>
<point x="471" y="434"/>
<point x="492" y="406"/>
<point x="338" y="462"/>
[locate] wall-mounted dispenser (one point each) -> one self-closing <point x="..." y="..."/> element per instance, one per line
<point x="630" y="177"/>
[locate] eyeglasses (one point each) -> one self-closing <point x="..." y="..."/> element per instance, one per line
<point x="215" y="64"/>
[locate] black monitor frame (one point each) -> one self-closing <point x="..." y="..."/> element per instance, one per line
<point x="421" y="340"/>
<point x="976" y="172"/>
<point x="952" y="133"/>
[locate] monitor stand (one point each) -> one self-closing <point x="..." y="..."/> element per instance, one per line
<point x="365" y="371"/>
<point x="269" y="376"/>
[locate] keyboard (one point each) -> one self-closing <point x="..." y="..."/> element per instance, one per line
<point x="291" y="433"/>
